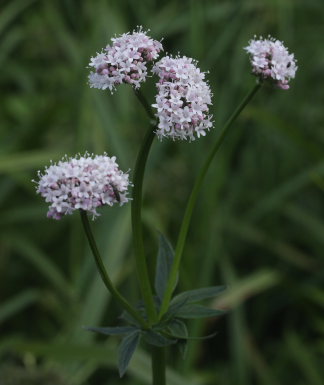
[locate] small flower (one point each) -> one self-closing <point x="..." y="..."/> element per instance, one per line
<point x="270" y="59"/>
<point x="124" y="61"/>
<point x="182" y="100"/>
<point x="84" y="182"/>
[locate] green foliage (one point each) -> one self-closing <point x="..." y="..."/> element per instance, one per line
<point x="178" y="328"/>
<point x="14" y="375"/>
<point x="197" y="311"/>
<point x="18" y="303"/>
<point x="171" y="329"/>
<point x="258" y="225"/>
<point x="155" y="338"/>
<point x="126" y="350"/>
<point x="197" y="295"/>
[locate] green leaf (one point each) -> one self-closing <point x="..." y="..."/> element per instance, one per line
<point x="157" y="339"/>
<point x="18" y="303"/>
<point x="208" y="337"/>
<point x="126" y="351"/>
<point x="178" y="329"/>
<point x="163" y="265"/>
<point x="33" y="255"/>
<point x="174" y="309"/>
<point x="198" y="311"/>
<point x="27" y="160"/>
<point x="198" y="294"/>
<point x="113" y="331"/>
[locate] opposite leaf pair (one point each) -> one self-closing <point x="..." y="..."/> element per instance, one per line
<point x="171" y="328"/>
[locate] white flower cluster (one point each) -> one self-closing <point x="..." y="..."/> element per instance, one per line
<point x="85" y="182"/>
<point x="270" y="59"/>
<point x="124" y="61"/>
<point x="182" y="100"/>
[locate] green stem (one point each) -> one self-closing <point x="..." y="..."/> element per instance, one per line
<point x="104" y="275"/>
<point x="142" y="269"/>
<point x="145" y="104"/>
<point x="158" y="365"/>
<point x="141" y="263"/>
<point x="192" y="200"/>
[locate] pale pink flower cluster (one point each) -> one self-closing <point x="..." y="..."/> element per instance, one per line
<point x="124" y="61"/>
<point x="182" y="100"/>
<point x="270" y="59"/>
<point x="84" y="182"/>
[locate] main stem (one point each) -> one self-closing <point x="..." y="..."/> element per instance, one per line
<point x="138" y="243"/>
<point x="158" y="365"/>
<point x="158" y="353"/>
<point x="104" y="275"/>
<point x="192" y="200"/>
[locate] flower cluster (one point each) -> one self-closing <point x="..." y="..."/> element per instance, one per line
<point x="85" y="182"/>
<point x="124" y="61"/>
<point x="270" y="59"/>
<point x="182" y="100"/>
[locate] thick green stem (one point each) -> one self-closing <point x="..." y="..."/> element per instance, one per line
<point x="158" y="365"/>
<point x="104" y="275"/>
<point x="193" y="198"/>
<point x="142" y="269"/>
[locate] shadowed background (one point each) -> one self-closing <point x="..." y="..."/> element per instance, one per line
<point x="258" y="225"/>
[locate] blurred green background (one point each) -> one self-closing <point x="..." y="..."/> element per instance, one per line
<point x="258" y="226"/>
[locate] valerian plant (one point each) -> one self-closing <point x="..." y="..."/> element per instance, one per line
<point x="87" y="182"/>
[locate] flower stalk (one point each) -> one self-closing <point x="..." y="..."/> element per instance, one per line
<point x="104" y="275"/>
<point x="142" y="269"/>
<point x="145" y="104"/>
<point x="193" y="198"/>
